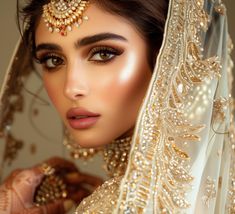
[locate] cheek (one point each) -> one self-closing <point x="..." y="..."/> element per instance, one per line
<point x="127" y="88"/>
<point x="54" y="90"/>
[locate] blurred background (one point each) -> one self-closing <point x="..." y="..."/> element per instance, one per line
<point x="37" y="140"/>
<point x="41" y="142"/>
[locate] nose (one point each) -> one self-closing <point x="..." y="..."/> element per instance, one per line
<point x="76" y="83"/>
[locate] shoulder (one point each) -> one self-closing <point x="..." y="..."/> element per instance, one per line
<point x="102" y="200"/>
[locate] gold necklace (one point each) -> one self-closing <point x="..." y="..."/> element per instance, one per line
<point x="116" y="156"/>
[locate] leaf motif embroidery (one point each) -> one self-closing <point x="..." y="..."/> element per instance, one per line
<point x="161" y="165"/>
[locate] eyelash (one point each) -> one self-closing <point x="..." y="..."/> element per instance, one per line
<point x="106" y="50"/>
<point x="43" y="60"/>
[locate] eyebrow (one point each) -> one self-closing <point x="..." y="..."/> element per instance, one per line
<point x="97" y="38"/>
<point x="82" y="42"/>
<point x="47" y="46"/>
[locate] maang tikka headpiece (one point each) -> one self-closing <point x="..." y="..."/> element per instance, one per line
<point x="61" y="15"/>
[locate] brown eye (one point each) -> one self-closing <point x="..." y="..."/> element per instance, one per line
<point x="52" y="62"/>
<point x="103" y="54"/>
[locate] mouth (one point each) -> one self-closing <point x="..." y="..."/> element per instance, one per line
<point x="80" y="118"/>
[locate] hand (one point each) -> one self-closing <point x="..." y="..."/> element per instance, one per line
<point x="17" y="191"/>
<point x="79" y="185"/>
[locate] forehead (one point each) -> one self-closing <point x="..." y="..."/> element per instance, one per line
<point x="99" y="21"/>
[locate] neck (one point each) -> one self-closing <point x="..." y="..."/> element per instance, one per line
<point x="125" y="135"/>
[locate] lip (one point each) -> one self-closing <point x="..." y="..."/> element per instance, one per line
<point x="90" y="118"/>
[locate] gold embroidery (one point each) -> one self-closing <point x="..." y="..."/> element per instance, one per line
<point x="221" y="9"/>
<point x="231" y="190"/>
<point x="12" y="101"/>
<point x="158" y="167"/>
<point x="12" y="147"/>
<point x="219" y="108"/>
<point x="103" y="200"/>
<point x="210" y="191"/>
<point x="231" y="195"/>
<point x="116" y="156"/>
<point x="230" y="206"/>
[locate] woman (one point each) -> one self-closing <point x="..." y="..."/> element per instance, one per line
<point x="97" y="77"/>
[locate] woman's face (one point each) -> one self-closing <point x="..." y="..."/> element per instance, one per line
<point x="96" y="76"/>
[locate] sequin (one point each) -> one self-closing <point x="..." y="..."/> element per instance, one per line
<point x="210" y="191"/>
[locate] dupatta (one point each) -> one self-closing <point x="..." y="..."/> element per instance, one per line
<point x="182" y="153"/>
<point x="182" y="157"/>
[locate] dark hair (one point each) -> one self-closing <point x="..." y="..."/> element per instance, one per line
<point x="148" y="16"/>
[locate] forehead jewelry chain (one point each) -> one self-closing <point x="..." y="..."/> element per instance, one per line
<point x="61" y="15"/>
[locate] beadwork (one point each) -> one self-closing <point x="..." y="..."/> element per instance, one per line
<point x="76" y="151"/>
<point x="61" y="15"/>
<point x="157" y="159"/>
<point x="51" y="188"/>
<point x="220" y="105"/>
<point x="210" y="191"/>
<point x="116" y="156"/>
<point x="153" y="143"/>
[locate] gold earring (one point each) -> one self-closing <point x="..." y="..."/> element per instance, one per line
<point x="116" y="156"/>
<point x="76" y="151"/>
<point x="61" y="15"/>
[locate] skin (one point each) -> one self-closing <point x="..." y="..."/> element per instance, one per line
<point x="17" y="191"/>
<point x="111" y="83"/>
<point x="113" y="88"/>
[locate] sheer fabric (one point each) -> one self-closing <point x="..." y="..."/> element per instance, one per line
<point x="182" y="155"/>
<point x="183" y="147"/>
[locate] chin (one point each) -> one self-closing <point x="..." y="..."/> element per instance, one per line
<point x="87" y="141"/>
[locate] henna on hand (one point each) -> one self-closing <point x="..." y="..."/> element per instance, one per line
<point x="17" y="193"/>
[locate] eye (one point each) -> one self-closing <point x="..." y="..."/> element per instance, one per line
<point x="50" y="61"/>
<point x="103" y="54"/>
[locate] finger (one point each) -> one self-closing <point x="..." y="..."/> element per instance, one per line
<point x="36" y="170"/>
<point x="78" y="178"/>
<point x="25" y="183"/>
<point x="12" y="175"/>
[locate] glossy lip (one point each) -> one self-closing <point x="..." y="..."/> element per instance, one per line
<point x="81" y="123"/>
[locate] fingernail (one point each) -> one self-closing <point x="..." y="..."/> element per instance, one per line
<point x="68" y="204"/>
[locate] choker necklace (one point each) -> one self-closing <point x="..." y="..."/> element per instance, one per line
<point x="116" y="156"/>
